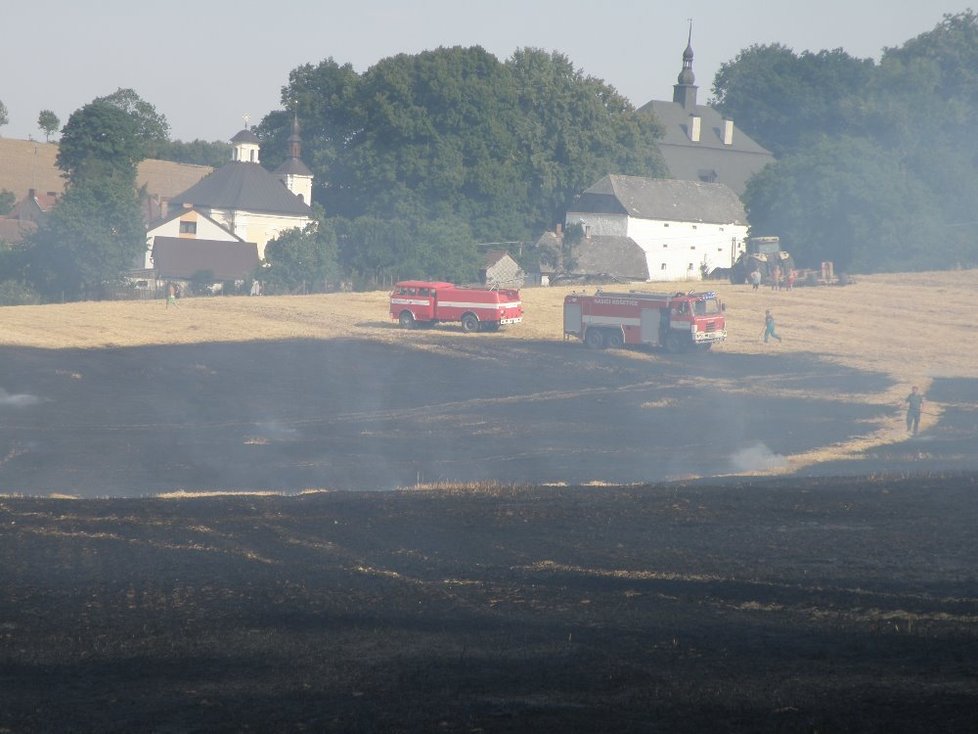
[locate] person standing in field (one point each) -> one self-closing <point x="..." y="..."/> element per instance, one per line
<point x="171" y="295"/>
<point x="769" y="331"/>
<point x="914" y="402"/>
<point x="755" y="279"/>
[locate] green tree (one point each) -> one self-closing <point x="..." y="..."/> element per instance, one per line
<point x="7" y="201"/>
<point x="784" y="100"/>
<point x="4" y="119"/>
<point x="301" y="260"/>
<point x="152" y="127"/>
<point x="454" y="135"/>
<point x="93" y="235"/>
<point x="49" y="123"/>
<point x="573" y="129"/>
<point x="95" y="232"/>
<point x="98" y="139"/>
<point x="199" y="152"/>
<point x="849" y="201"/>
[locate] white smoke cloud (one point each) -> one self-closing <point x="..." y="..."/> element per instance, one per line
<point x="17" y="401"/>
<point x="757" y="457"/>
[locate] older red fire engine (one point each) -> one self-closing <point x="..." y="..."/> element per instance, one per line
<point x="677" y="321"/>
<point x="478" y="309"/>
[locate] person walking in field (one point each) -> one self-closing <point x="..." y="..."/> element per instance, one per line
<point x="769" y="331"/>
<point x="171" y="295"/>
<point x="755" y="279"/>
<point x="914" y="403"/>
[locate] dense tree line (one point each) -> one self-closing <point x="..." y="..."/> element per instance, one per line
<point x="422" y="156"/>
<point x="876" y="163"/>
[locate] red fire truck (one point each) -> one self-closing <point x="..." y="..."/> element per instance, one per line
<point x="677" y="321"/>
<point x="478" y="309"/>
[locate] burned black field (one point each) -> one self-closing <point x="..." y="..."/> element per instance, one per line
<point x="684" y="601"/>
<point x="365" y="415"/>
<point x="807" y="605"/>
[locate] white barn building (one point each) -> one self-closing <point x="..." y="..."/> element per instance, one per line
<point x="657" y="229"/>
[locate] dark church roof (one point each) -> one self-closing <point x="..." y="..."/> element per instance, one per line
<point x="244" y="186"/>
<point x="294" y="167"/>
<point x="180" y="257"/>
<point x="714" y="157"/>
<point x="666" y="199"/>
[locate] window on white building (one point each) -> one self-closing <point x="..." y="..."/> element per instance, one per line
<point x="663" y="266"/>
<point x="188" y="227"/>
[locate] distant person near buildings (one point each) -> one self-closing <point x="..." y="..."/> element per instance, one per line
<point x="914" y="402"/>
<point x="769" y="331"/>
<point x="171" y="295"/>
<point x="755" y="279"/>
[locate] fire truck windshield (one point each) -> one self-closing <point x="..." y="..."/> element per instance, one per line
<point x="708" y="307"/>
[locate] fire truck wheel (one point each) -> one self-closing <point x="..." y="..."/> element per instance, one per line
<point x="470" y="323"/>
<point x="674" y="343"/>
<point x="594" y="339"/>
<point x="406" y="320"/>
<point x="615" y="340"/>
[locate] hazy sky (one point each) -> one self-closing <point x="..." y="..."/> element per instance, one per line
<point x="207" y="63"/>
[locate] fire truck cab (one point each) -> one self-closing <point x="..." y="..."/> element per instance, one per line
<point x="678" y="322"/>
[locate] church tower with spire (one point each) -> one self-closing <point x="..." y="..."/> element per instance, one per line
<point x="698" y="143"/>
<point x="684" y="91"/>
<point x="293" y="172"/>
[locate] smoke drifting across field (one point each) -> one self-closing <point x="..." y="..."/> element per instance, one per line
<point x="21" y="400"/>
<point x="756" y="458"/>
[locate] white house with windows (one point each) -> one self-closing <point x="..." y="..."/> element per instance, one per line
<point x="657" y="229"/>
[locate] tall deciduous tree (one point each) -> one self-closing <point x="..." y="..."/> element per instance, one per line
<point x="89" y="239"/>
<point x="848" y="201"/>
<point x="152" y="127"/>
<point x="49" y="123"/>
<point x="100" y="138"/>
<point x="96" y="232"/>
<point x="455" y="135"/>
<point x="785" y="100"/>
<point x="301" y="260"/>
<point x="4" y="119"/>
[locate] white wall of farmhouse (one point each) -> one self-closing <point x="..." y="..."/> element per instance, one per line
<point x="189" y="225"/>
<point x="674" y="250"/>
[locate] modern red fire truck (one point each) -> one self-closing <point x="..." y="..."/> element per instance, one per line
<point x="676" y="321"/>
<point x="416" y="302"/>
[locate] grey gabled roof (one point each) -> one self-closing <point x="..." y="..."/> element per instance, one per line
<point x="243" y="185"/>
<point x="733" y="164"/>
<point x="663" y="199"/>
<point x="295" y="167"/>
<point x="619" y="257"/>
<point x="180" y="257"/>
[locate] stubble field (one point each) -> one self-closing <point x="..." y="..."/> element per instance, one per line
<point x="569" y="541"/>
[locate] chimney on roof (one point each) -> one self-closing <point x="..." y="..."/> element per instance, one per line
<point x="695" y="124"/>
<point x="728" y="132"/>
<point x="31" y="194"/>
